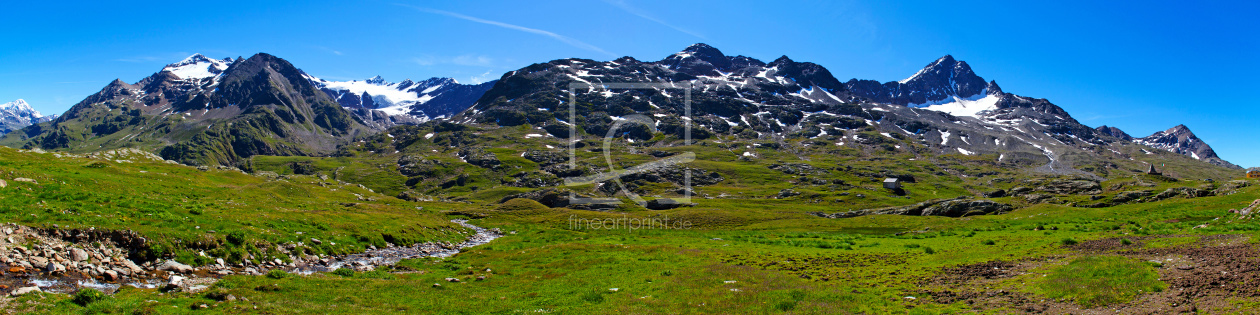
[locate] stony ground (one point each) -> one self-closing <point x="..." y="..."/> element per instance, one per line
<point x="66" y="260"/>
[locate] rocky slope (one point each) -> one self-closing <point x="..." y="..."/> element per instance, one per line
<point x="944" y="106"/>
<point x="204" y="111"/>
<point x="1178" y="140"/>
<point x="18" y="114"/>
<point x="1181" y="140"/>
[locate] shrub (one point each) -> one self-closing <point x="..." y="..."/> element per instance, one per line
<point x="87" y="296"/>
<point x="1068" y="241"/>
<point x="1125" y="241"/>
<point x="989" y="242"/>
<point x="785" y="306"/>
<point x="928" y="250"/>
<point x="278" y="274"/>
<point x="593" y="296"/>
<point x="344" y="272"/>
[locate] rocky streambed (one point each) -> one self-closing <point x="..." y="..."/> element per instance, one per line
<point x="63" y="261"/>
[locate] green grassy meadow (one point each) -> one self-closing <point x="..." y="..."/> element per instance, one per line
<point x="740" y="249"/>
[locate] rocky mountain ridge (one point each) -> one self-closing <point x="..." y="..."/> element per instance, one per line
<point x="945" y="106"/>
<point x="204" y="111"/>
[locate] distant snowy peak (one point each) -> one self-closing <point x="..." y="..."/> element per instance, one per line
<point x="406" y="98"/>
<point x="18" y="114"/>
<point x="20" y="107"/>
<point x="197" y="67"/>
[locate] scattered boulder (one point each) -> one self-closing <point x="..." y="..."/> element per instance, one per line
<point x="1246" y="212"/>
<point x="787" y="193"/>
<point x="175" y="266"/>
<point x="452" y="279"/>
<point x="3" y="183"/>
<point x="664" y="204"/>
<point x="550" y="197"/>
<point x="962" y="208"/>
<point x="1072" y="187"/>
<point x="1130" y="196"/>
<point x="26" y="180"/>
<point x="413" y="195"/>
<point x="110" y="275"/>
<point x="55" y="268"/>
<point x="1019" y="191"/>
<point x="1182" y="191"/>
<point x="480" y="158"/>
<point x="25" y="290"/>
<point x="78" y="254"/>
<point x="1037" y="198"/>
<point x="174" y="282"/>
<point x="995" y="194"/>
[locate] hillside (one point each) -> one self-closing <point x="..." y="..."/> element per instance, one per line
<point x="202" y="111"/>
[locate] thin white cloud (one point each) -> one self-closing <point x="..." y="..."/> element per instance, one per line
<point x="565" y="39"/>
<point x="463" y="60"/>
<point x="166" y="58"/>
<point x="481" y="78"/>
<point x="640" y="13"/>
<point x="470" y="60"/>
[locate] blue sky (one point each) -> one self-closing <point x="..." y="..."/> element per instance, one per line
<point x="1140" y="66"/>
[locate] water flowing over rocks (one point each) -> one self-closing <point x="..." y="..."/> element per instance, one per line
<point x="61" y="261"/>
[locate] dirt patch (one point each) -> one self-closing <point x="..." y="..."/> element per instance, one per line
<point x="986" y="270"/>
<point x="1206" y="276"/>
<point x="1202" y="276"/>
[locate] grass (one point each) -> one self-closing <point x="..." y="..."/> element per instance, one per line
<point x="1093" y="281"/>
<point x="741" y="250"/>
<point x="183" y="210"/>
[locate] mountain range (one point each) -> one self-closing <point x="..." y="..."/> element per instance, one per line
<point x="222" y="111"/>
<point x="945" y="106"/>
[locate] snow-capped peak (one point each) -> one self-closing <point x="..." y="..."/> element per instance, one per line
<point x="19" y="108"/>
<point x="19" y="105"/>
<point x="198" y="67"/>
<point x="378" y="80"/>
<point x="391" y="98"/>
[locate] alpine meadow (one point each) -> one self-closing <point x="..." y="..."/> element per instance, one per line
<point x="682" y="179"/>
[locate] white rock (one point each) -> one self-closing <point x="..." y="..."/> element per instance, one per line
<point x="25" y="290"/>
<point x="175" y="266"/>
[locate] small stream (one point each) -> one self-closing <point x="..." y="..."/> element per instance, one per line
<point x="392" y="255"/>
<point x="369" y="259"/>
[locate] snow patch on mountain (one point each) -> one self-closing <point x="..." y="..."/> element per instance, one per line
<point x="197" y="67"/>
<point x="964" y="106"/>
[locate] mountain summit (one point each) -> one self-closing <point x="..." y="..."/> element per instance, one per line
<point x="1179" y="139"/>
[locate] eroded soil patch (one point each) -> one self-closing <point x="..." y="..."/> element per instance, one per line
<point x="1202" y="276"/>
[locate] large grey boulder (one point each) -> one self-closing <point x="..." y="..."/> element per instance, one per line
<point x="1130" y="196"/>
<point x="175" y="266"/>
<point x="962" y="208"/>
<point x="1072" y="187"/>
<point x="78" y="254"/>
